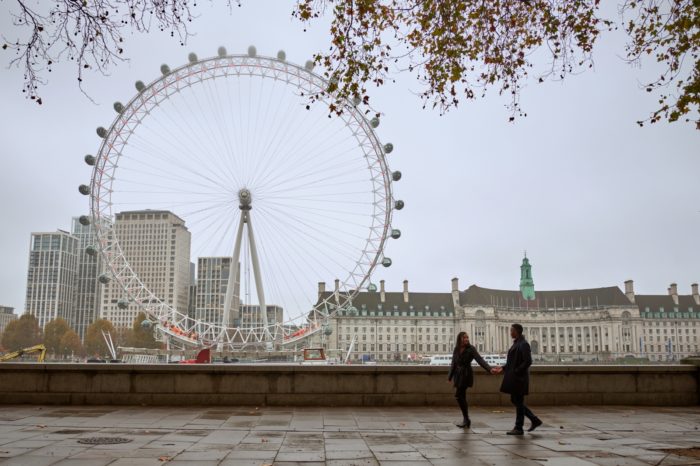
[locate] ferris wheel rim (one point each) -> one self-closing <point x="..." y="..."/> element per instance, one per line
<point x="160" y="90"/>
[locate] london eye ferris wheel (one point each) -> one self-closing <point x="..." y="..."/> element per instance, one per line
<point x="295" y="196"/>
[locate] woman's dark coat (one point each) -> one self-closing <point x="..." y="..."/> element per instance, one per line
<point x="461" y="373"/>
<point x="516" y="372"/>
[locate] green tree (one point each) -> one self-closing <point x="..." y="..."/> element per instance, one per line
<point x="22" y="333"/>
<point x="140" y="337"/>
<point x="94" y="341"/>
<point x="71" y="345"/>
<point x="54" y="330"/>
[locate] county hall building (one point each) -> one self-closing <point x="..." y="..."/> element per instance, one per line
<point x="596" y="324"/>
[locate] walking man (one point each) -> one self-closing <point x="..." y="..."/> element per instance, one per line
<point x="516" y="380"/>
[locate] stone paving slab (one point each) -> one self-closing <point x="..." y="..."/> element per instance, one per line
<point x="575" y="436"/>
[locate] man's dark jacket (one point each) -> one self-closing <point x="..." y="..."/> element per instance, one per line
<point x="516" y="372"/>
<point x="461" y="373"/>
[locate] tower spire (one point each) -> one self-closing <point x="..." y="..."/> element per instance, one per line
<point x="527" y="285"/>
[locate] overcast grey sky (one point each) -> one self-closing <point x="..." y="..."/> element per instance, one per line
<point x="593" y="198"/>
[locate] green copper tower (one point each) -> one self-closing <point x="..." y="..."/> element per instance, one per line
<point x="527" y="286"/>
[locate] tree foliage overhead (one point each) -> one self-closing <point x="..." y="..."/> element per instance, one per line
<point x="89" y="33"/>
<point x="458" y="49"/>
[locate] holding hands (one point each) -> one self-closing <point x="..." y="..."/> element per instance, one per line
<point x="496" y="370"/>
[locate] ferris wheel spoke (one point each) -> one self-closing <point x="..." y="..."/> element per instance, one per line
<point x="302" y="170"/>
<point x="157" y="152"/>
<point x="291" y="162"/>
<point x="217" y="152"/>
<point x="184" y="146"/>
<point x="258" y="150"/>
<point x="170" y="177"/>
<point x="273" y="259"/>
<point x="221" y="120"/>
<point x="293" y="256"/>
<point x="271" y="152"/>
<point x="173" y="141"/>
<point x="326" y="229"/>
<point x="313" y="233"/>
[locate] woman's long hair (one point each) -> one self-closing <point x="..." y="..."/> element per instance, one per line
<point x="458" y="343"/>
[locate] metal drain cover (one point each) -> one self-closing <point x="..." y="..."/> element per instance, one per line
<point x="103" y="440"/>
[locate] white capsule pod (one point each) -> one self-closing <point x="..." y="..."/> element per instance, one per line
<point x="372" y="288"/>
<point x="140" y="86"/>
<point x="252" y="51"/>
<point x="146" y="324"/>
<point x="221" y="52"/>
<point x="309" y="65"/>
<point x="84" y="189"/>
<point x="395" y="233"/>
<point x="101" y="132"/>
<point x="90" y="160"/>
<point x="356" y="101"/>
<point x="327" y="329"/>
<point x="192" y="57"/>
<point x="84" y="220"/>
<point x="374" y="122"/>
<point x="91" y="250"/>
<point x="123" y="303"/>
<point x="396" y="176"/>
<point x="398" y="205"/>
<point x="104" y="278"/>
<point x="388" y="148"/>
<point x="281" y="56"/>
<point x="164" y="69"/>
<point x="118" y="107"/>
<point x="386" y="262"/>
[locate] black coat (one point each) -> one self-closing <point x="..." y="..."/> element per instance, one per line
<point x="516" y="372"/>
<point x="461" y="373"/>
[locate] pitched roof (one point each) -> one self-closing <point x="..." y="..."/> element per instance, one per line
<point x="372" y="299"/>
<point x="656" y="302"/>
<point x="591" y="297"/>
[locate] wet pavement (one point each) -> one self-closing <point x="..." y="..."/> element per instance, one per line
<point x="575" y="436"/>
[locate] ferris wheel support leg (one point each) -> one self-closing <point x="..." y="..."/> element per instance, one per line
<point x="231" y="292"/>
<point x="258" y="281"/>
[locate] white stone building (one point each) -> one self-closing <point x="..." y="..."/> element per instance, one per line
<point x="156" y="244"/>
<point x="51" y="276"/>
<point x="597" y="324"/>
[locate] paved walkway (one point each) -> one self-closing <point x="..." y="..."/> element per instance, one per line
<point x="31" y="435"/>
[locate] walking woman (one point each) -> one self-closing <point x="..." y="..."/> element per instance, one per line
<point x="462" y="375"/>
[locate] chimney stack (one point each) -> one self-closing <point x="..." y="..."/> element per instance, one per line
<point x="336" y="292"/>
<point x="696" y="295"/>
<point x="673" y="291"/>
<point x="405" y="291"/>
<point x="321" y="289"/>
<point x="455" y="292"/>
<point x="629" y="290"/>
<point x="382" y="293"/>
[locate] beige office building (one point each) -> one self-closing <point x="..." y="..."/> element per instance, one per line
<point x="156" y="244"/>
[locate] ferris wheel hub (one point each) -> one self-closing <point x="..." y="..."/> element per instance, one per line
<point x="245" y="198"/>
